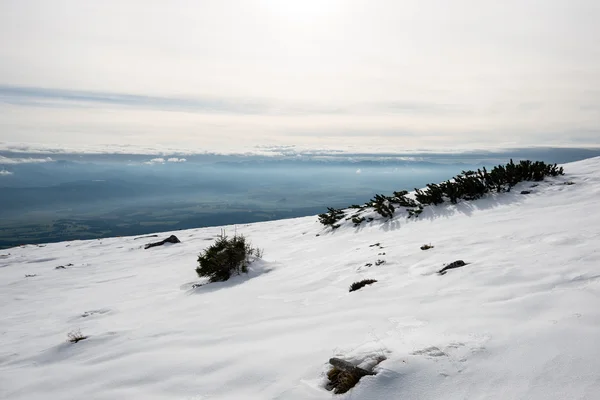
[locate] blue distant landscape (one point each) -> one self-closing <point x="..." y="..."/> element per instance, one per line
<point x="57" y="197"/>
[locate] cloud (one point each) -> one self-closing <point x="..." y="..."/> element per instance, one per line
<point x="158" y="160"/>
<point x="346" y="154"/>
<point x="24" y="96"/>
<point x="162" y="160"/>
<point x="4" y="172"/>
<point x="67" y="98"/>
<point x="10" y="160"/>
<point x="376" y="149"/>
<point x="113" y="148"/>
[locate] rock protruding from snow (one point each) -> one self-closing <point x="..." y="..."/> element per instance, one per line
<point x="170" y="239"/>
<point x="349" y="367"/>
<point x="455" y="264"/>
<point x="344" y="375"/>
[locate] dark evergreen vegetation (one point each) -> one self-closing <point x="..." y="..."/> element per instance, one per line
<point x="469" y="185"/>
<point x="225" y="257"/>
<point x="331" y="217"/>
<point x="361" y="284"/>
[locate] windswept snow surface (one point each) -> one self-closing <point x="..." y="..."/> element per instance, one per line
<point x="520" y="321"/>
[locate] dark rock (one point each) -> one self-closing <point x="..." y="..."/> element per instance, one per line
<point x="170" y="239"/>
<point x="455" y="264"/>
<point x="343" y="375"/>
<point x="349" y="367"/>
<point x="525" y="192"/>
<point x="145" y="237"/>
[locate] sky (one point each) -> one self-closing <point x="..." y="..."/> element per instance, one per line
<point x="225" y="75"/>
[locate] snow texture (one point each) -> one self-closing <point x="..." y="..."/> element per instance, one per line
<point x="520" y="321"/>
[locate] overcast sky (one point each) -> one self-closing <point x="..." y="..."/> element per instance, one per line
<point x="229" y="75"/>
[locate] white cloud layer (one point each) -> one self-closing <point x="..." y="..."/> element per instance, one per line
<point x="158" y="160"/>
<point x="228" y="75"/>
<point x="27" y="160"/>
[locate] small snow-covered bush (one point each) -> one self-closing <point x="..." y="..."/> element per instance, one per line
<point x="225" y="257"/>
<point x="76" y="336"/>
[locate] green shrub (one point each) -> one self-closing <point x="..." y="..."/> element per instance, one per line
<point x="225" y="257"/>
<point x="383" y="206"/>
<point x="358" y="220"/>
<point x="331" y="217"/>
<point x="403" y="201"/>
<point x="432" y="195"/>
<point x="415" y="212"/>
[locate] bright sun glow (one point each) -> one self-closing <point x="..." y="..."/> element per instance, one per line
<point x="301" y="10"/>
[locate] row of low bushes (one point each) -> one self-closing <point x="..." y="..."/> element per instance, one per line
<point x="469" y="185"/>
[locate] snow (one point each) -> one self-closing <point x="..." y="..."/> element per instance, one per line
<point x="520" y="321"/>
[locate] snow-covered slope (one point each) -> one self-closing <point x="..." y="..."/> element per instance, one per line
<point x="520" y="321"/>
